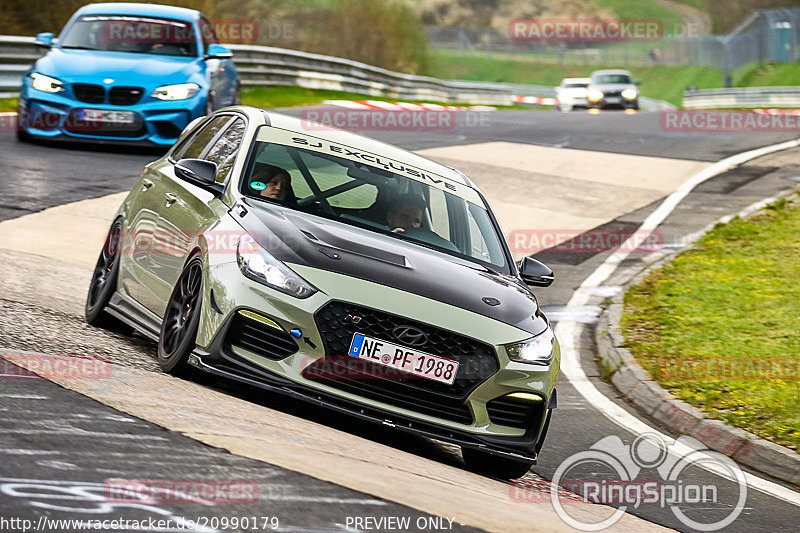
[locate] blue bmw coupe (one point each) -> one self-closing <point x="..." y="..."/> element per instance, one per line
<point x="125" y="72"/>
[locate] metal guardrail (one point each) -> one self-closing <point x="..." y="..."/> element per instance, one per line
<point x="266" y="66"/>
<point x="743" y="97"/>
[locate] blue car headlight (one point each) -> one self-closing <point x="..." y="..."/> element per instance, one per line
<point x="536" y="351"/>
<point x="40" y="82"/>
<point x="180" y="91"/>
<point x="259" y="265"/>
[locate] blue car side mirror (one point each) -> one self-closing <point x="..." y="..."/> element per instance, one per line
<point x="45" y="39"/>
<point x="217" y="51"/>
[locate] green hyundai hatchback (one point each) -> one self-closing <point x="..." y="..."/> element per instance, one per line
<point x="338" y="270"/>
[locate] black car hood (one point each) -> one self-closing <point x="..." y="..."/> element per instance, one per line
<point x="295" y="237"/>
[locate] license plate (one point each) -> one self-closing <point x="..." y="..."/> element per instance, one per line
<point x="411" y="361"/>
<point x="613" y="100"/>
<point x="112" y="117"/>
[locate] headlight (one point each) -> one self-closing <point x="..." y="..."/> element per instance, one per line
<point x="536" y="351"/>
<point x="258" y="264"/>
<point x="630" y="94"/>
<point x="47" y="84"/>
<point x="595" y="94"/>
<point x="181" y="91"/>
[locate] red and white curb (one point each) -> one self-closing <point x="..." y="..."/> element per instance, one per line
<point x="403" y="106"/>
<point x="777" y="111"/>
<point x="539" y="100"/>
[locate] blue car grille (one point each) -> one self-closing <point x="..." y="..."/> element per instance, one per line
<point x="125" y="95"/>
<point x="91" y="94"/>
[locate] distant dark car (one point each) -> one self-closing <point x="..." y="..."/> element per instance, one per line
<point x="613" y="88"/>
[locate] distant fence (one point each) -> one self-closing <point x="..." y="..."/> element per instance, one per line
<point x="766" y="35"/>
<point x="269" y="66"/>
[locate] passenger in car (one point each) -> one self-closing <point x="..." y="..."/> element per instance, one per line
<point x="406" y="213"/>
<point x="273" y="182"/>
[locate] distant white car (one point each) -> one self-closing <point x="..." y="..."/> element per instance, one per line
<point x="572" y="93"/>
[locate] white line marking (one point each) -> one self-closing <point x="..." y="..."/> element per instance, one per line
<point x="569" y="332"/>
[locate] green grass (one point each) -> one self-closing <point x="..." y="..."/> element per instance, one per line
<point x="270" y="97"/>
<point x="718" y="325"/>
<point x="643" y="9"/>
<point x="767" y="75"/>
<point x="659" y="82"/>
<point x="8" y="104"/>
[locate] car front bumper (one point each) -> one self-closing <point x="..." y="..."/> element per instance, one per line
<point x="228" y="293"/>
<point x="55" y="116"/>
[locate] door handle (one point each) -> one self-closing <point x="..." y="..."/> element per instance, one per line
<point x="171" y="198"/>
<point x="146" y="184"/>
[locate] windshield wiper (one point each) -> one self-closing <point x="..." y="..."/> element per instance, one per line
<point x="80" y="48"/>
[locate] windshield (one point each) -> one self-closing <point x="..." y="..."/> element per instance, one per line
<point x="374" y="198"/>
<point x="612" y="78"/>
<point x="125" y="33"/>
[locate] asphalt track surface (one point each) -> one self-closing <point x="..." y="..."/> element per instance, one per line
<point x="35" y="177"/>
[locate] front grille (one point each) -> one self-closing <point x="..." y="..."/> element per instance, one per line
<point x="356" y="377"/>
<point x="339" y="321"/>
<point x="259" y="338"/>
<point x="91" y="94"/>
<point x="515" y="412"/>
<point x="125" y="95"/>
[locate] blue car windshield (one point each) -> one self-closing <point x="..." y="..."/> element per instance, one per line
<point x="377" y="199"/>
<point x="130" y="33"/>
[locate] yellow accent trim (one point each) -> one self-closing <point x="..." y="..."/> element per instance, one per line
<point x="526" y="396"/>
<point x="264" y="320"/>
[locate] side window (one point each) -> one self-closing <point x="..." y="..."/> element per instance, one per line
<point x="224" y="151"/>
<point x="208" y="34"/>
<point x="192" y="147"/>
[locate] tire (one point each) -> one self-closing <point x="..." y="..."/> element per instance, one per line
<point x="489" y="465"/>
<point x="181" y="320"/>
<point x="104" y="280"/>
<point x="22" y="135"/>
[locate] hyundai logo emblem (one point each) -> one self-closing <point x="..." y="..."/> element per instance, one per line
<point x="410" y="335"/>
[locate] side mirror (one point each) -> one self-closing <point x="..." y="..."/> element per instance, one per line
<point x="199" y="172"/>
<point x="217" y="51"/>
<point x="45" y="39"/>
<point x="535" y="272"/>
